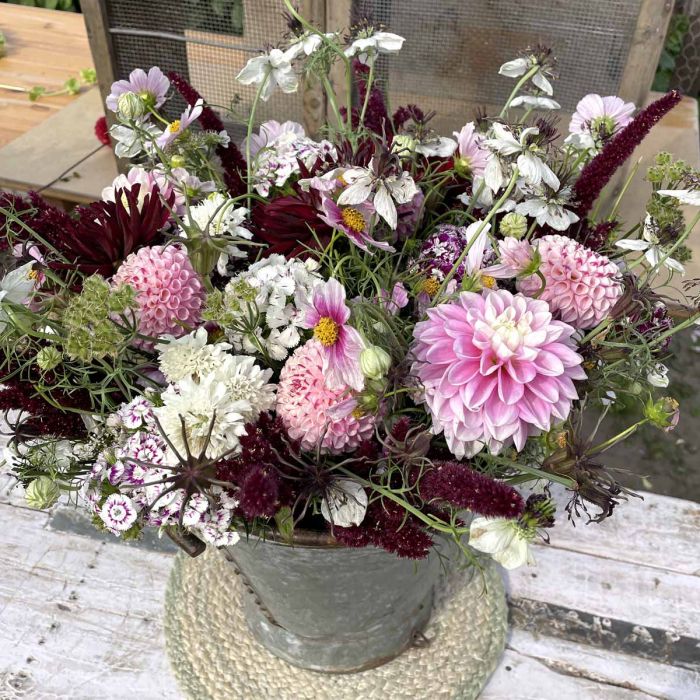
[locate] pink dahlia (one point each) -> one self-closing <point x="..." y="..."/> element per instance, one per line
<point x="168" y="290"/>
<point x="581" y="286"/>
<point x="601" y="117"/>
<point x="495" y="368"/>
<point x="305" y="404"/>
<point x="341" y="344"/>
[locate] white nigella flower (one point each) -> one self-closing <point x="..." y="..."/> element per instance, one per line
<point x="482" y="196"/>
<point x="658" y="376"/>
<point x="504" y="539"/>
<point x="368" y="45"/>
<point x="190" y="356"/>
<point x="547" y="207"/>
<point x="689" y="197"/>
<point x="383" y="191"/>
<point x="650" y="244"/>
<point x="582" y="142"/>
<point x="535" y="102"/>
<point x="345" y="504"/>
<point x="133" y="142"/>
<point x="440" y="146"/>
<point x="15" y="288"/>
<point x="533" y="168"/>
<point x="519" y="66"/>
<point x="272" y="69"/>
<point x="307" y="43"/>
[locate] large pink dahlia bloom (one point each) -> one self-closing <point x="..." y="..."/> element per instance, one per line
<point x="305" y="404"/>
<point x="496" y="368"/>
<point x="168" y="290"/>
<point x="581" y="286"/>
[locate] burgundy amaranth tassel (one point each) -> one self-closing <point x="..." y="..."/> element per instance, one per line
<point x="231" y="158"/>
<point x="463" y="487"/>
<point x="616" y="151"/>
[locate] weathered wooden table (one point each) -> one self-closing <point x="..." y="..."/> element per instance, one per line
<point x="610" y="612"/>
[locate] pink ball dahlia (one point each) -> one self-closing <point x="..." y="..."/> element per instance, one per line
<point x="305" y="403"/>
<point x="495" y="368"/>
<point x="581" y="285"/>
<point x="168" y="290"/>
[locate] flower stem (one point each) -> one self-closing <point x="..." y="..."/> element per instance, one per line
<point x="616" y="438"/>
<point x="517" y="87"/>
<point x="368" y="90"/>
<point x="249" y="133"/>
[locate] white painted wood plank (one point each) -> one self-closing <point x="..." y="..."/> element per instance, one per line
<point x="544" y="667"/>
<point x="637" y="594"/>
<point x="659" y="531"/>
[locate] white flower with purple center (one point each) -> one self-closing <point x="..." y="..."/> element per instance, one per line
<point x="118" y="513"/>
<point x="136" y="414"/>
<point x="151" y="88"/>
<point x="140" y="454"/>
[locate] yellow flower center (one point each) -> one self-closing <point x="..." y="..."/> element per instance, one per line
<point x="174" y="126"/>
<point x="561" y="440"/>
<point x="488" y="281"/>
<point x="358" y="413"/>
<point x="327" y="331"/>
<point x="353" y="219"/>
<point x="431" y="286"/>
<point x="33" y="275"/>
<point x="342" y="181"/>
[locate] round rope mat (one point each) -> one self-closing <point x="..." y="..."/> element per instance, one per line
<point x="214" y="656"/>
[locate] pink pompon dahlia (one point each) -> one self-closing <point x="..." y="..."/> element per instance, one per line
<point x="305" y="404"/>
<point x="341" y="344"/>
<point x="495" y="368"/>
<point x="581" y="286"/>
<point x="168" y="290"/>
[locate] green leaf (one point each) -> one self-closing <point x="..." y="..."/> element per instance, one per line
<point x="285" y="523"/>
<point x="72" y="85"/>
<point x="36" y="92"/>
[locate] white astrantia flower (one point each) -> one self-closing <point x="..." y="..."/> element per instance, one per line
<point x="688" y="197"/>
<point x="547" y="207"/>
<point x="272" y="69"/>
<point x="649" y="244"/>
<point x="535" y="102"/>
<point x="384" y="192"/>
<point x="190" y="355"/>
<point x="658" y="376"/>
<point x="15" y="288"/>
<point x="504" y="539"/>
<point x="531" y="166"/>
<point x="368" y="45"/>
<point x="307" y="43"/>
<point x="519" y="66"/>
<point x="346" y="503"/>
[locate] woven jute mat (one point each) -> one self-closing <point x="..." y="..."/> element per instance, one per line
<point x="214" y="656"/>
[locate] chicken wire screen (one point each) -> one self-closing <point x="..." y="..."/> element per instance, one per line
<point x="449" y="62"/>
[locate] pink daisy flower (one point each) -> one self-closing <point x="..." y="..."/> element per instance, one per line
<point x="328" y="315"/>
<point x="601" y="117"/>
<point x="470" y="158"/>
<point x="495" y="369"/>
<point x="151" y="87"/>
<point x="175" y="128"/>
<point x="515" y="258"/>
<point x="355" y="222"/>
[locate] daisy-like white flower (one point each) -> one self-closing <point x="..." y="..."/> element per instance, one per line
<point x="385" y="192"/>
<point x="370" y="44"/>
<point x="355" y="222"/>
<point x="530" y="165"/>
<point x="190" y="356"/>
<point x="151" y="88"/>
<point x="534" y="102"/>
<point x="270" y="69"/>
<point x="519" y="66"/>
<point x="177" y="127"/>
<point x="118" y="513"/>
<point x="547" y="207"/>
<point x="601" y="117"/>
<point x="346" y="503"/>
<point x="328" y="315"/>
<point x="688" y="197"/>
<point x="649" y="243"/>
<point x="504" y="539"/>
<point x="15" y="288"/>
<point x="471" y="157"/>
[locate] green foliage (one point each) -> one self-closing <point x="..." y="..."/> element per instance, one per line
<point x="67" y="5"/>
<point x="677" y="30"/>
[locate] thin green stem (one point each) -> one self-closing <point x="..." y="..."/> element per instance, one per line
<point x="249" y="134"/>
<point x="368" y="89"/>
<point x="517" y="88"/>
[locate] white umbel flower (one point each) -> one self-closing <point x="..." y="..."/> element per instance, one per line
<point x="503" y="539"/>
<point x="274" y="68"/>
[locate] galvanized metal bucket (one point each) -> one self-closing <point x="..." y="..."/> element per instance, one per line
<point x="330" y="608"/>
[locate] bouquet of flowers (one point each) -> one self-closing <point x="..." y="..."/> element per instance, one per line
<point x="381" y="333"/>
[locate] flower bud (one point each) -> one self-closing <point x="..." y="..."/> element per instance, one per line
<point x="42" y="493"/>
<point x="404" y="145"/>
<point x="664" y="413"/>
<point x="131" y="106"/>
<point x="177" y="161"/>
<point x="48" y="358"/>
<point x="513" y="225"/>
<point x="374" y="362"/>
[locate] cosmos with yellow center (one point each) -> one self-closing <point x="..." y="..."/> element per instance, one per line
<point x="353" y="219"/>
<point x="327" y="331"/>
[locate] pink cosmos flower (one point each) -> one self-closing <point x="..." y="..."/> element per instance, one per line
<point x="495" y="368"/>
<point x="270" y="131"/>
<point x="328" y="315"/>
<point x="151" y="87"/>
<point x="175" y="128"/>
<point x="601" y="117"/>
<point x="355" y="222"/>
<point x="470" y="158"/>
<point x="395" y="301"/>
<point x="515" y="256"/>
